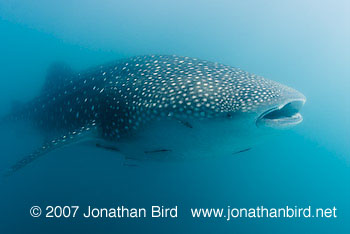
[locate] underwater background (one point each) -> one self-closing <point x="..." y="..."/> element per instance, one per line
<point x="304" y="44"/>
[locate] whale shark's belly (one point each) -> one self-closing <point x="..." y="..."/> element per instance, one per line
<point x="170" y="140"/>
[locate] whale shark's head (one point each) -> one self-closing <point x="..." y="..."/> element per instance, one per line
<point x="258" y="100"/>
<point x="268" y="103"/>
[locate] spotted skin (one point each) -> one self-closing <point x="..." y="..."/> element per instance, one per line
<point x="121" y="97"/>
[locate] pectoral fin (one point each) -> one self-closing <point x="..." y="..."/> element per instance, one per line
<point x="65" y="140"/>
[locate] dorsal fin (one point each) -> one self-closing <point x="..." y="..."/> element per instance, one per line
<point x="58" y="75"/>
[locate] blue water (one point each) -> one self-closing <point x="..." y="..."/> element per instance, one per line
<point x="304" y="44"/>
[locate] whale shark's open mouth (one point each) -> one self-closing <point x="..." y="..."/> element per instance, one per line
<point x="282" y="116"/>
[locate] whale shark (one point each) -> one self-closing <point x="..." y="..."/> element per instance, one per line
<point x="158" y="107"/>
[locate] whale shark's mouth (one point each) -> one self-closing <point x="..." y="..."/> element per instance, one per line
<point x="282" y="116"/>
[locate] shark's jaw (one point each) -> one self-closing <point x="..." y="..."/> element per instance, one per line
<point x="282" y="116"/>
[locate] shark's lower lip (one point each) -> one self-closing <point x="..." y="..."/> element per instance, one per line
<point x="283" y="116"/>
<point x="281" y="122"/>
